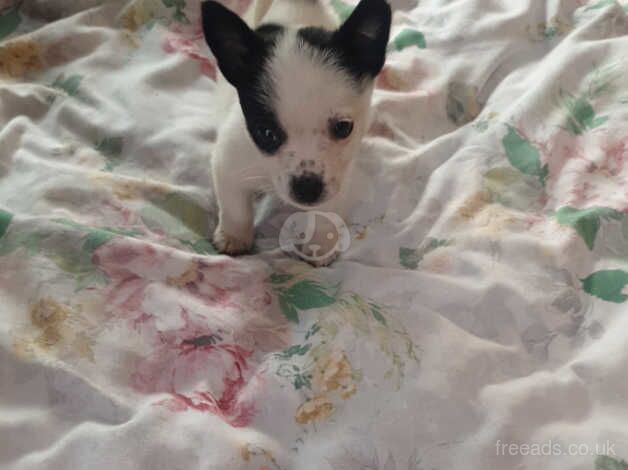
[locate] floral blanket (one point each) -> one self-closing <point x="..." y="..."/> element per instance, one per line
<point x="478" y="320"/>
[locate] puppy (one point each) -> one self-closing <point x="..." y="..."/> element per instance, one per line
<point x="304" y="87"/>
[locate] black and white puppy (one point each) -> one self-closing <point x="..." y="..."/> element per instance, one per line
<point x="304" y="86"/>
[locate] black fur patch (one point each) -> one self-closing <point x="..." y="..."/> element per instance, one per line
<point x="257" y="113"/>
<point x="359" y="45"/>
<point x="241" y="54"/>
<point x="270" y="32"/>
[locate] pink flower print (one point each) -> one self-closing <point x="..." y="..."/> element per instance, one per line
<point x="616" y="155"/>
<point x="401" y="76"/>
<point x="586" y="171"/>
<point x="148" y="282"/>
<point x="188" y="45"/>
<point x="560" y="150"/>
<point x="380" y="128"/>
<point x="202" y="320"/>
<point x="201" y="371"/>
<point x="238" y="6"/>
<point x="247" y="308"/>
<point x="203" y="374"/>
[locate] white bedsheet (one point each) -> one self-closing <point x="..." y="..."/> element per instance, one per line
<point x="477" y="321"/>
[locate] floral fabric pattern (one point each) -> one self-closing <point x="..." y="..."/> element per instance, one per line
<point x="481" y="304"/>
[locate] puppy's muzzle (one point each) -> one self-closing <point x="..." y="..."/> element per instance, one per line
<point x="307" y="188"/>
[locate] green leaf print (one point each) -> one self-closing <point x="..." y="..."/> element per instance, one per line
<point x="604" y="462"/>
<point x="302" y="295"/>
<point x="186" y="210"/>
<point x="307" y="294"/>
<point x="30" y="241"/>
<point x="355" y="315"/>
<point x="602" y="80"/>
<point x="607" y="285"/>
<point x="580" y="113"/>
<point x="288" y="309"/>
<point x="110" y="146"/>
<point x="280" y="278"/>
<point x="95" y="239"/>
<point x="111" y="149"/>
<point x="342" y="9"/>
<point x="408" y="38"/>
<point x="296" y="350"/>
<point x="166" y="220"/>
<point x="179" y="7"/>
<point x="410" y="258"/>
<point x="586" y="221"/>
<point x="90" y="279"/>
<point x="302" y="381"/>
<point x="298" y="377"/>
<point x="9" y="21"/>
<point x="600" y="4"/>
<point x="377" y="313"/>
<point x="69" y="245"/>
<point x="511" y="188"/>
<point x="200" y="246"/>
<point x="463" y="104"/>
<point x="315" y="328"/>
<point x="79" y="262"/>
<point x="523" y="155"/>
<point x="70" y="85"/>
<point x="5" y="221"/>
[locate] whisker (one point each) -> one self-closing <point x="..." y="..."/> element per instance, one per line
<point x="243" y="171"/>
<point x="253" y="178"/>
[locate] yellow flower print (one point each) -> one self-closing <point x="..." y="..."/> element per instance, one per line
<point x="138" y="14"/>
<point x="334" y="373"/>
<point x="53" y="332"/>
<point x="189" y="276"/>
<point x="250" y="452"/>
<point x="333" y="376"/>
<point x="315" y="409"/>
<point x="19" y="57"/>
<point x="48" y="315"/>
<point x="473" y="205"/>
<point x="128" y="188"/>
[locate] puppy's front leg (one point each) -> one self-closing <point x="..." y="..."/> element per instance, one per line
<point x="234" y="233"/>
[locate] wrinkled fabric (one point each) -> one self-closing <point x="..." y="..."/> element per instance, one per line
<point x="481" y="306"/>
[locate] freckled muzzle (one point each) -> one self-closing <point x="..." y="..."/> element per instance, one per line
<point x="307" y="188"/>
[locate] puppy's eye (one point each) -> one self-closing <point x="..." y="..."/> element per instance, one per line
<point x="268" y="138"/>
<point x="267" y="135"/>
<point x="341" y="129"/>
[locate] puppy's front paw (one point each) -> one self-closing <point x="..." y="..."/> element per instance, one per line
<point x="230" y="245"/>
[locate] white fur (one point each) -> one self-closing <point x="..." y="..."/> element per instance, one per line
<point x="309" y="91"/>
<point x="290" y="12"/>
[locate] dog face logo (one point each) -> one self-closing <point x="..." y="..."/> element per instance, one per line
<point x="314" y="235"/>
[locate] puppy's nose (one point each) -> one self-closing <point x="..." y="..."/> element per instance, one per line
<point x="307" y="188"/>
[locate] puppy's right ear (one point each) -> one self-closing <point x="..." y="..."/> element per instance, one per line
<point x="235" y="46"/>
<point x="364" y="35"/>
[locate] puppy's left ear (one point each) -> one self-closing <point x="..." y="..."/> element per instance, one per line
<point x="363" y="37"/>
<point x="236" y="47"/>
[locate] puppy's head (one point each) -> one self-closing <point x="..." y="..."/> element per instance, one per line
<point x="305" y="93"/>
